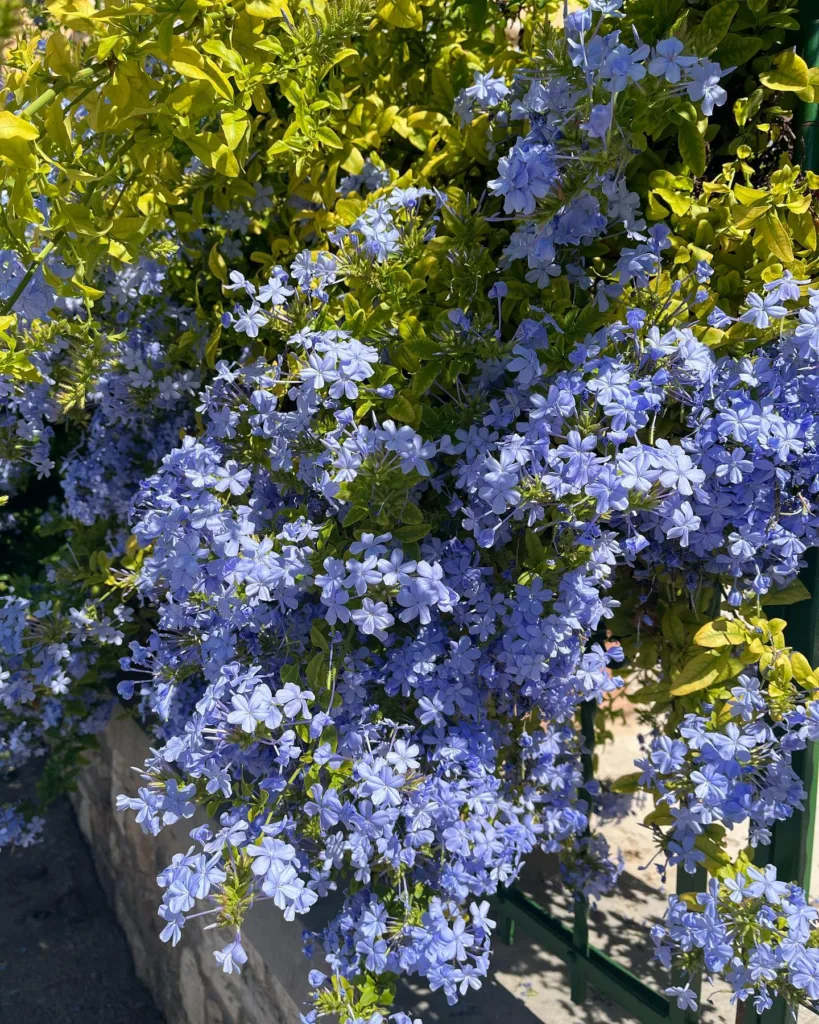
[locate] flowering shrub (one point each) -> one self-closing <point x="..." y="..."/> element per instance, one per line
<point x="368" y="521"/>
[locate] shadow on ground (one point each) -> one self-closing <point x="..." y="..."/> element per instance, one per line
<point x="63" y="957"/>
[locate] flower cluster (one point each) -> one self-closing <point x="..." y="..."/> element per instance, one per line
<point x="47" y="687"/>
<point x="756" y="930"/>
<point x="566" y="175"/>
<point x="327" y="570"/>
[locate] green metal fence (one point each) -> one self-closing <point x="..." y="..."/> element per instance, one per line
<point x="790" y="850"/>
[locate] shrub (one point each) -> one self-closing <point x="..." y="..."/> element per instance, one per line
<point x="402" y="383"/>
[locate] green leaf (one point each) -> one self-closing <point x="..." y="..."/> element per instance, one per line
<point x="659" y="816"/>
<point x="355" y="515"/>
<point x="721" y="633"/>
<point x="788" y="74"/>
<point x="290" y="673"/>
<point x="477" y="12"/>
<point x="424" y="378"/>
<point x="212" y="346"/>
<point x="535" y="551"/>
<point x="692" y="148"/>
<point x="649" y="694"/>
<point x="216" y="264"/>
<point x="713" y="27"/>
<point x="673" y="628"/>
<point x="411" y="514"/>
<point x="701" y="672"/>
<point x="401" y="408"/>
<point x="735" y="49"/>
<point x="775" y="236"/>
<point x="317" y="671"/>
<point x="318" y="639"/>
<point x="408" y="534"/>
<point x="795" y="592"/>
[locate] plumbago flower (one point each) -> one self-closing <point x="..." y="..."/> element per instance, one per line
<point x="52" y="659"/>
<point x="62" y="640"/>
<point x="727" y="765"/>
<point x="380" y="762"/>
<point x="757" y="930"/>
<point x="587" y="106"/>
<point x="351" y="667"/>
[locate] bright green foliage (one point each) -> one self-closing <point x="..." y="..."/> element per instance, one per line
<point x="303" y="95"/>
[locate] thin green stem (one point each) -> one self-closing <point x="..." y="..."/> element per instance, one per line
<point x="46" y="251"/>
<point x="279" y="798"/>
<point x="46" y="97"/>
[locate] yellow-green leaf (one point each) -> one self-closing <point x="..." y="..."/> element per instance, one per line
<point x="801" y="667"/>
<point x="720" y="633"/>
<point x="76" y="14"/>
<point x="788" y="74"/>
<point x="188" y="61"/>
<point x="268" y="9"/>
<point x="692" y="147"/>
<point x="678" y="203"/>
<point x="401" y="13"/>
<point x="58" y="55"/>
<point x="776" y="237"/>
<point x="234" y="126"/>
<point x="329" y="138"/>
<point x="14" y="127"/>
<point x="702" y="671"/>
<point x="87" y="290"/>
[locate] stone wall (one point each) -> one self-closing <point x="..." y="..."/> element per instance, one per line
<point x="186" y="982"/>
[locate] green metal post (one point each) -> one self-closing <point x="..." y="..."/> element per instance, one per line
<point x="580" y="931"/>
<point x="807" y="150"/>
<point x="792" y="841"/>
